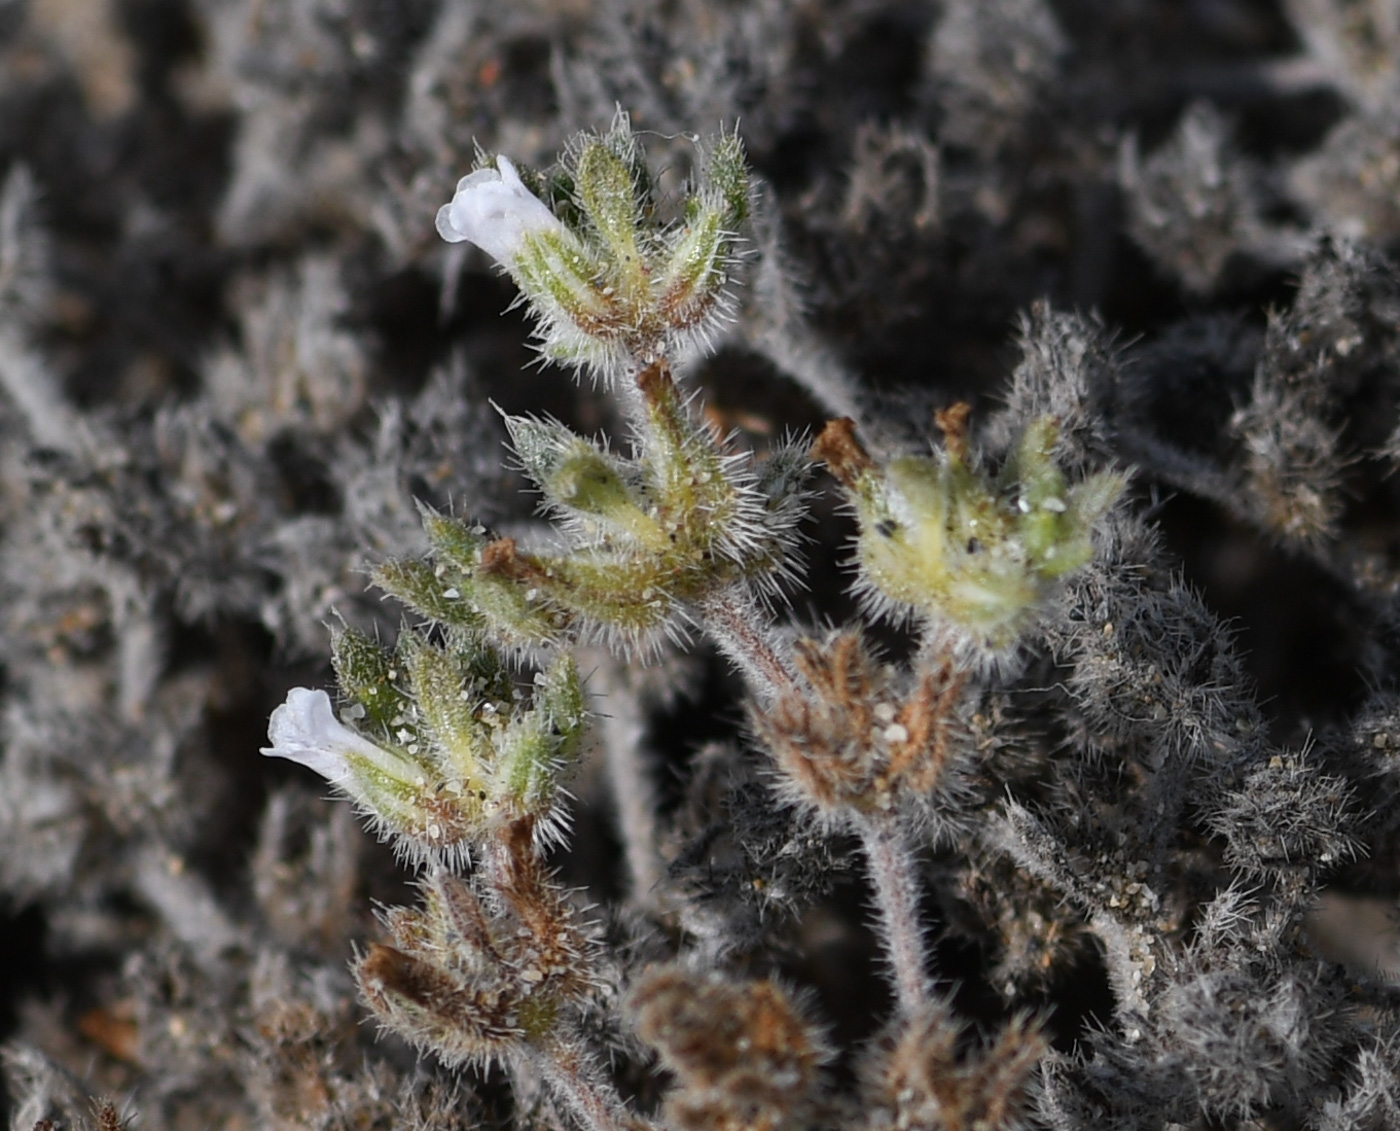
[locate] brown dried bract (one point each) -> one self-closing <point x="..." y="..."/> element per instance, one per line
<point x="918" y="1080"/>
<point x="549" y="943"/>
<point x="853" y="740"/>
<point x="743" y="1055"/>
<point x="114" y="1030"/>
<point x="108" y="1118"/>
<point x="952" y="422"/>
<point x="460" y="1019"/>
<point x="843" y="454"/>
<point x="502" y="558"/>
<point x="927" y="717"/>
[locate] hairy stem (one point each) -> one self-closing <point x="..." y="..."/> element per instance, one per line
<point x="575" y="1080"/>
<point x="893" y="874"/>
<point x="629" y="776"/>
<point x="744" y="633"/>
<point x="776" y="326"/>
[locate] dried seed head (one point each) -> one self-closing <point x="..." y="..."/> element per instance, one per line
<point x="858" y="739"/>
<point x="459" y="1020"/>
<point x="744" y="1057"/>
<point x="917" y="1079"/>
<point x="481" y="968"/>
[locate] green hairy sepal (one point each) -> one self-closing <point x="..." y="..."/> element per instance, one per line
<point x="457" y="586"/>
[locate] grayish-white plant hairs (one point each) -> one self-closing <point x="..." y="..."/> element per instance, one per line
<point x="941" y="675"/>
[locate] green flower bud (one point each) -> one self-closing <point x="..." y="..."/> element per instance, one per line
<point x="368" y="676"/>
<point x="540" y="742"/>
<point x="608" y="196"/>
<point x="694" y="275"/>
<point x="727" y="175"/>
<point x="436" y="593"/>
<point x="582" y="481"/>
<point x="474" y="585"/>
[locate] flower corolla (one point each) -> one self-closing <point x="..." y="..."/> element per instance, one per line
<point x="493" y="209"/>
<point x="304" y="729"/>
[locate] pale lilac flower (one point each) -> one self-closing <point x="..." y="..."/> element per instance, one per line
<point x="494" y="210"/>
<point x="304" y="729"/>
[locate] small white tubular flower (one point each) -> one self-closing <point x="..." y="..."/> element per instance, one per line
<point x="304" y="729"/>
<point x="399" y="795"/>
<point x="494" y="210"/>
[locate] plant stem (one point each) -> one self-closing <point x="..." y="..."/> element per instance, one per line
<point x="777" y="327"/>
<point x="574" y="1079"/>
<point x="733" y="619"/>
<point x="893" y="873"/>
<point x="37" y="398"/>
<point x="743" y="632"/>
<point x="619" y="708"/>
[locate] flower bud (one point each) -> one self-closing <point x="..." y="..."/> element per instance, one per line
<point x="581" y="480"/>
<point x="609" y="198"/>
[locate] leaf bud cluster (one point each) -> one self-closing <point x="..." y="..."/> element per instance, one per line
<point x="944" y="542"/>
<point x="652" y="536"/>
